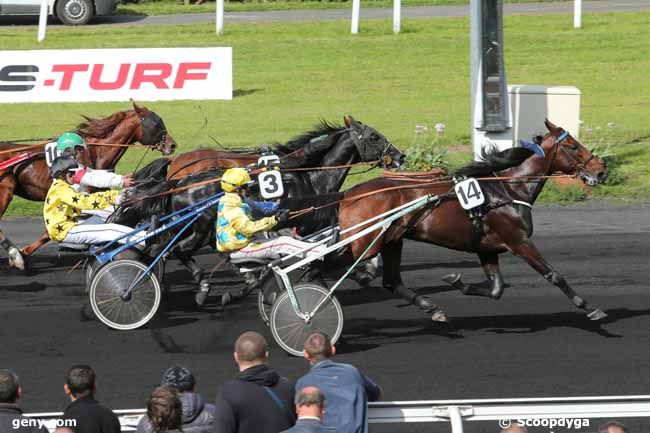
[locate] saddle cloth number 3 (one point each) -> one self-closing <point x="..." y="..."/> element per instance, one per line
<point x="469" y="193"/>
<point x="271" y="184"/>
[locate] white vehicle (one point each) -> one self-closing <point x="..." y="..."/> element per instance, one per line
<point x="70" y="12"/>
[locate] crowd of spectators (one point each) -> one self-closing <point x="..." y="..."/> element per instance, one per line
<point x="331" y="397"/>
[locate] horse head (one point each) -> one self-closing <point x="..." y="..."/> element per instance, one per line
<point x="152" y="131"/>
<point x="567" y="155"/>
<point x="372" y="145"/>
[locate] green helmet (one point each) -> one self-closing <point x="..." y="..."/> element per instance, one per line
<point x="69" y="140"/>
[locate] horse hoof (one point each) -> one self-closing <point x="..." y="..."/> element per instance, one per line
<point x="226" y="299"/>
<point x="439" y="316"/>
<point x="425" y="304"/>
<point x="363" y="278"/>
<point x="452" y="279"/>
<point x="16" y="259"/>
<point x="597" y="314"/>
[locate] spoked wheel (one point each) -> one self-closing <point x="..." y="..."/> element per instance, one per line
<point x="290" y="331"/>
<point x="270" y="290"/>
<point x="109" y="285"/>
<point x="92" y="266"/>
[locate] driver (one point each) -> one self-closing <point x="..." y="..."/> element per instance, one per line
<point x="235" y="226"/>
<point x="64" y="205"/>
<point x="72" y="144"/>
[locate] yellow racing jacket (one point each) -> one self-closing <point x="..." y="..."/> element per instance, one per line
<point x="234" y="224"/>
<point x="63" y="206"/>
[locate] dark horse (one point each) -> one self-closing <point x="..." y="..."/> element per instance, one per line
<point x="326" y="146"/>
<point x="505" y="226"/>
<point x="30" y="179"/>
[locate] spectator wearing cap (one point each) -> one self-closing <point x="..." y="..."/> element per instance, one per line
<point x="258" y="399"/>
<point x="11" y="415"/>
<point x="613" y="427"/>
<point x="197" y="416"/>
<point x="90" y="416"/>
<point x="346" y="389"/>
<point x="310" y="407"/>
<point x="514" y="427"/>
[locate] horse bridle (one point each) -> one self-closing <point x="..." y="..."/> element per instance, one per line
<point x="146" y="124"/>
<point x="383" y="157"/>
<point x="579" y="165"/>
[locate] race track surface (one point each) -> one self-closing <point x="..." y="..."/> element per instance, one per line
<point x="531" y="343"/>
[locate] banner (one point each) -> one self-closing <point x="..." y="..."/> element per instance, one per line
<point x="142" y="74"/>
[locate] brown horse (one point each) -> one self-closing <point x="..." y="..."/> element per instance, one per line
<point x="30" y="179"/>
<point x="504" y="225"/>
<point x="204" y="159"/>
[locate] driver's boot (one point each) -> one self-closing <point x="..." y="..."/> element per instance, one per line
<point x="204" y="291"/>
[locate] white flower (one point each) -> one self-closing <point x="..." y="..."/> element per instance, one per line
<point x="611" y="125"/>
<point x="440" y="128"/>
<point x="420" y="128"/>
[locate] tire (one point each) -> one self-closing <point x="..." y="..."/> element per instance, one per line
<point x="290" y="331"/>
<point x="92" y="266"/>
<point x="74" y="12"/>
<point x="111" y="281"/>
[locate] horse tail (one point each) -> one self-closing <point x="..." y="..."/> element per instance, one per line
<point x="154" y="172"/>
<point x="495" y="161"/>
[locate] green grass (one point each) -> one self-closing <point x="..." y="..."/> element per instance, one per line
<point x="288" y="76"/>
<point x="166" y="7"/>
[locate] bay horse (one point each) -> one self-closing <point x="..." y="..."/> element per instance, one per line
<point x="327" y="145"/>
<point x="30" y="179"/>
<point x="506" y="224"/>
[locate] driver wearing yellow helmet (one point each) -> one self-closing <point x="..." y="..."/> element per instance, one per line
<point x="235" y="226"/>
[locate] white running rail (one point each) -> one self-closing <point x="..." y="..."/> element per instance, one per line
<point x="457" y="412"/>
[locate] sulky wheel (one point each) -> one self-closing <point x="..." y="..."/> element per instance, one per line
<point x="92" y="265"/>
<point x="111" y="282"/>
<point x="291" y="331"/>
<point x="270" y="290"/>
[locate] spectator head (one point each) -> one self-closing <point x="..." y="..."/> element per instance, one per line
<point x="180" y="378"/>
<point x="310" y="401"/>
<point x="250" y="350"/>
<point x="515" y="428"/>
<point x="63" y="430"/>
<point x="318" y="346"/>
<point x="79" y="382"/>
<point x="9" y="387"/>
<point x="164" y="409"/>
<point x="613" y="427"/>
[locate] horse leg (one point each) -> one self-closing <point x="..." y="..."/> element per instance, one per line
<point x="7" y="187"/>
<point x="392" y="280"/>
<point x="31" y="248"/>
<point x="529" y="252"/>
<point x="367" y="272"/>
<point x="492" y="288"/>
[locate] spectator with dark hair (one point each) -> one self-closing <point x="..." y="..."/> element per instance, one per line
<point x="165" y="410"/>
<point x="198" y="416"/>
<point x="346" y="389"/>
<point x="90" y="416"/>
<point x="310" y="407"/>
<point x="11" y="415"/>
<point x="613" y="427"/>
<point x="258" y="400"/>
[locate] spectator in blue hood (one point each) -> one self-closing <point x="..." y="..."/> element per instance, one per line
<point x="197" y="416"/>
<point x="346" y="390"/>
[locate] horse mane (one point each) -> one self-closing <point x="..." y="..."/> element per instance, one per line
<point x="100" y="128"/>
<point x="495" y="161"/>
<point x="322" y="128"/>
